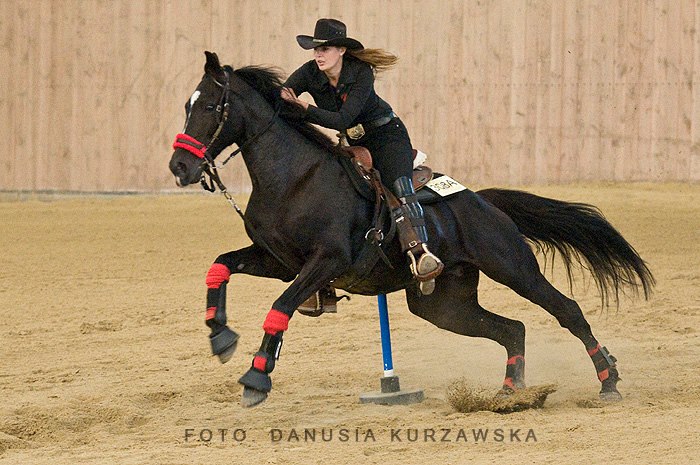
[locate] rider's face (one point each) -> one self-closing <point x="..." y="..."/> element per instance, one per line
<point x="329" y="58"/>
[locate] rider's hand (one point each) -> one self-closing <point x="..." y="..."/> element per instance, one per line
<point x="288" y="95"/>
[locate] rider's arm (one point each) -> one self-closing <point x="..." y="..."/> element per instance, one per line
<point x="357" y="95"/>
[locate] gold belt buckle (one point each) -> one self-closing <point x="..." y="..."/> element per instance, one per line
<point x="356" y="132"/>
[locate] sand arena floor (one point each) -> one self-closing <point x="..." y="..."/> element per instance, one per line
<point x="105" y="357"/>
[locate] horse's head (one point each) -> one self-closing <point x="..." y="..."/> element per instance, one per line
<point x="208" y="129"/>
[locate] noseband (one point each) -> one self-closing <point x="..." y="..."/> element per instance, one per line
<point x="199" y="150"/>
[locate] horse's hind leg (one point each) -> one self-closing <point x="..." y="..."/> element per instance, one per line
<point x="510" y="261"/>
<point x="569" y="315"/>
<point x="454" y="306"/>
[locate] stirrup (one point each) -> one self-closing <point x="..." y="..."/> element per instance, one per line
<point x="323" y="301"/>
<point x="425" y="269"/>
<point x="426" y="287"/>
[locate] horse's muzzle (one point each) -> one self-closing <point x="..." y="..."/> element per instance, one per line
<point x="186" y="172"/>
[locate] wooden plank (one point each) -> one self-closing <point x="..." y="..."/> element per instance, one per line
<point x="518" y="92"/>
<point x="625" y="134"/>
<point x="694" y="163"/>
<point x="670" y="116"/>
<point x="570" y="124"/>
<point x="55" y="171"/>
<point x="555" y="120"/>
<point x="605" y="113"/>
<point x="474" y="71"/>
<point x="645" y="98"/>
<point x="681" y="168"/>
<point x="536" y="161"/>
<point x="9" y="163"/>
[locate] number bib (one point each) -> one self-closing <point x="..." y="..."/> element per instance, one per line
<point x="444" y="186"/>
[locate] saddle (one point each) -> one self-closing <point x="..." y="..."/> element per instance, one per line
<point x="362" y="159"/>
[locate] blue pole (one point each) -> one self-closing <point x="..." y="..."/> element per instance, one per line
<point x="385" y="335"/>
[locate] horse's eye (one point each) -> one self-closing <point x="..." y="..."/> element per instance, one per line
<point x="210" y="107"/>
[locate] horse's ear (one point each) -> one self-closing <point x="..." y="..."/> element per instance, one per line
<point x="213" y="67"/>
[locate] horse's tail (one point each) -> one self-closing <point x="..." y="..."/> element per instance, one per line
<point x="581" y="235"/>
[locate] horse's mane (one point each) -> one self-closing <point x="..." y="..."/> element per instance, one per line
<point x="268" y="82"/>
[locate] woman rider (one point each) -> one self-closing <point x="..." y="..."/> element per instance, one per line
<point x="340" y="78"/>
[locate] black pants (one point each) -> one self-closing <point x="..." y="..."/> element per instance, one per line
<point x="391" y="149"/>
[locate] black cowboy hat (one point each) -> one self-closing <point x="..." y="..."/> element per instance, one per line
<point x="329" y="32"/>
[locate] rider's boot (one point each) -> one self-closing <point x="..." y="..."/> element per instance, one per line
<point x="425" y="266"/>
<point x="325" y="300"/>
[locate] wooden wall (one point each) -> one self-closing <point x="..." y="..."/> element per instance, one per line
<point x="496" y="92"/>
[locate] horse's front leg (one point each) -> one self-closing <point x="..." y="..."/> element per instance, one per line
<point x="314" y="275"/>
<point x="251" y="260"/>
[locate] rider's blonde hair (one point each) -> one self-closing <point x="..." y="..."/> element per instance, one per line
<point x="380" y="60"/>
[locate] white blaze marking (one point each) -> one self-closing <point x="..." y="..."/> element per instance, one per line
<point x="193" y="99"/>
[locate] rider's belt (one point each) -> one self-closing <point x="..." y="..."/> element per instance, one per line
<point x="358" y="131"/>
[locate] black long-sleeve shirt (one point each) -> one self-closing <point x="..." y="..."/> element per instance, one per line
<point x="352" y="102"/>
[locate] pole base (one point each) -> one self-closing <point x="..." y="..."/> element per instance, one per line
<point x="391" y="394"/>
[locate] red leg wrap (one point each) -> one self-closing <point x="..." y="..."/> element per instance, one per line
<point x="216" y="275"/>
<point x="275" y="322"/>
<point x="603" y="361"/>
<point x="514" y="359"/>
<point x="594" y="350"/>
<point x="515" y="373"/>
<point x="260" y="363"/>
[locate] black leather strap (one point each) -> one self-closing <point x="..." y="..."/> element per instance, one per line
<point x="380" y="121"/>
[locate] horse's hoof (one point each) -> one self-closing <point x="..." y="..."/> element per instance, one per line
<point x="226" y="355"/>
<point x="252" y="397"/>
<point x="610" y="396"/>
<point x="608" y="390"/>
<point x="509" y="400"/>
<point x="504" y="393"/>
<point x="507" y="392"/>
<point x="224" y="343"/>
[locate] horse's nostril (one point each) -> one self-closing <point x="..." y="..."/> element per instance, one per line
<point x="181" y="169"/>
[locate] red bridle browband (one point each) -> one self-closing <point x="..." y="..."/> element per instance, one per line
<point x="189" y="143"/>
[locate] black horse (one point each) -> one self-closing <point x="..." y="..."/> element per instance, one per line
<point x="308" y="222"/>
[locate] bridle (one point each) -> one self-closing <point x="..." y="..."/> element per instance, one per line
<point x="198" y="149"/>
<point x="209" y="168"/>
